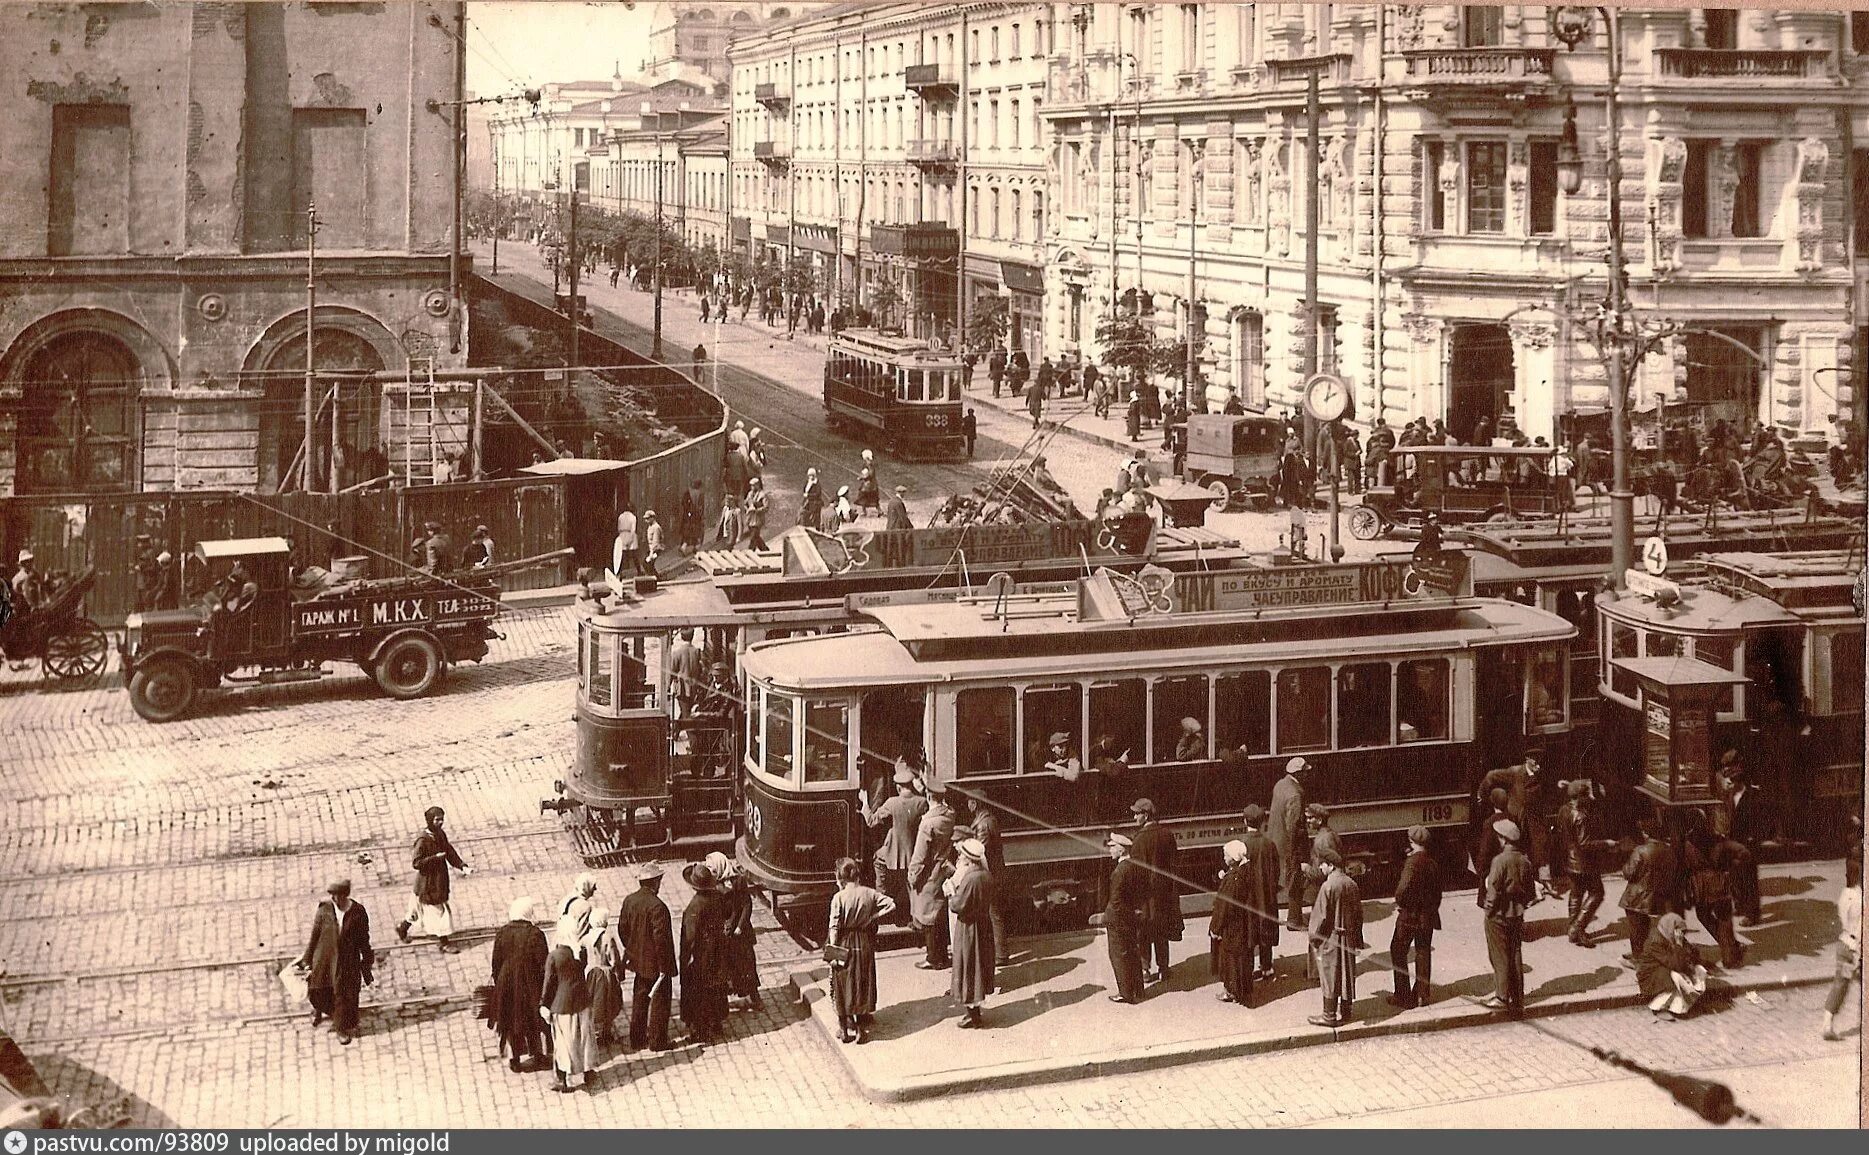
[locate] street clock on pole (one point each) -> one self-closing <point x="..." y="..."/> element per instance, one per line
<point x="1326" y="397"/>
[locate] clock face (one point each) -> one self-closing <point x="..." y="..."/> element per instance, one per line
<point x="1327" y="397"/>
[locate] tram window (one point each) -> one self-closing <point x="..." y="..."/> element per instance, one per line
<point x="778" y="740"/>
<point x="1545" y="702"/>
<point x="892" y="727"/>
<point x="827" y="741"/>
<point x="912" y="385"/>
<point x="638" y="659"/>
<point x="597" y="667"/>
<point x="1662" y="645"/>
<point x="1176" y="699"/>
<point x="983" y="731"/>
<point x="754" y="732"/>
<point x="1421" y="700"/>
<point x="1303" y="709"/>
<point x="1716" y="651"/>
<point x="1243" y="712"/>
<point x="1116" y="721"/>
<point x="1051" y="710"/>
<point x="1846" y="672"/>
<point x="1363" y="705"/>
<point x="1622" y="643"/>
<point x="1578" y="607"/>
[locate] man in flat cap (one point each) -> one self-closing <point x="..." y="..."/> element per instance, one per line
<point x="338" y="961"/>
<point x="1746" y="816"/>
<point x="1488" y="844"/>
<point x="1336" y="929"/>
<point x="1510" y="888"/>
<point x="1578" y="835"/>
<point x="933" y="836"/>
<point x="1652" y="877"/>
<point x="1417" y="917"/>
<point x="1154" y="850"/>
<point x="1287" y="833"/>
<point x="897" y="513"/>
<point x="648" y="934"/>
<point x="1122" y="919"/>
<point x="1322" y="838"/>
<point x="1526" y="804"/>
<point x="1261" y="892"/>
<point x="900" y="817"/>
<point x="434" y="854"/>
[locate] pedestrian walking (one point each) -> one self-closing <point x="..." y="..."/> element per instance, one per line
<point x="811" y="500"/>
<point x="626" y="553"/>
<point x="1417" y="917"/>
<point x="729" y="528"/>
<point x="1707" y="862"/>
<point x="651" y="541"/>
<point x="1648" y="891"/>
<point x="693" y="516"/>
<point x="603" y="972"/>
<point x="1230" y="945"/>
<point x="433" y="856"/>
<point x="968" y="360"/>
<point x="869" y="493"/>
<point x="1849" y="967"/>
<point x="1510" y="888"/>
<point x="1097" y="389"/>
<point x="1154" y="847"/>
<point x="1322" y="839"/>
<point x="1669" y="971"/>
<point x="1578" y="843"/>
<point x="1132" y="420"/>
<point x="933" y="835"/>
<point x="754" y="514"/>
<point x="338" y="961"/>
<point x="1748" y="821"/>
<point x="1336" y="930"/>
<point x="841" y="513"/>
<point x="1047" y="378"/>
<point x="742" y="964"/>
<point x="1122" y="919"/>
<point x="969" y="428"/>
<point x="1035" y="402"/>
<point x="983" y="826"/>
<point x="897" y="515"/>
<point x="1527" y="805"/>
<point x="649" y="944"/>
<point x="996" y="368"/>
<point x="1287" y="833"/>
<point x="703" y="962"/>
<point x="850" y="949"/>
<point x="566" y="1001"/>
<point x="1261" y="895"/>
<point x="970" y="897"/>
<point x="519" y="955"/>
<point x="1488" y="844"/>
<point x="574" y="913"/>
<point x="900" y="818"/>
<point x="1018" y="371"/>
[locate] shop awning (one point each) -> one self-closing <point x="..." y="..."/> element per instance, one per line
<point x="1021" y="278"/>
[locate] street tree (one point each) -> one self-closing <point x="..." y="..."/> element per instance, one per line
<point x="986" y="327"/>
<point x="885" y="301"/>
<point x="1130" y="348"/>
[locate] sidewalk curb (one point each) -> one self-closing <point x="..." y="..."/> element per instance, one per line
<point x="1452" y="1012"/>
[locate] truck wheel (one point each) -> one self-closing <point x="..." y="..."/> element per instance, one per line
<point x="409" y="667"/>
<point x="1223" y="494"/>
<point x="163" y="690"/>
<point x="1365" y="524"/>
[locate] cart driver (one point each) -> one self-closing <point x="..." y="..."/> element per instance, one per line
<point x="238" y="590"/>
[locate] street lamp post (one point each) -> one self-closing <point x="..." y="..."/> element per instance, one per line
<point x="655" y="344"/>
<point x="1572" y="25"/>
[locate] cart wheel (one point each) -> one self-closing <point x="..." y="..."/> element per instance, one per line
<point x="1223" y="495"/>
<point x="409" y="668"/>
<point x="163" y="690"/>
<point x="77" y="653"/>
<point x="1365" y="523"/>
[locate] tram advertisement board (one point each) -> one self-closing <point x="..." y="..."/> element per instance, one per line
<point x="982" y="545"/>
<point x="1303" y="587"/>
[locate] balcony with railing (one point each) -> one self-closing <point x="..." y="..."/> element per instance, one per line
<point x="1743" y="65"/>
<point x="934" y="153"/>
<point x="1333" y="69"/>
<point x="774" y="96"/>
<point x="1464" y="68"/>
<point x="772" y="152"/>
<point x="930" y="80"/>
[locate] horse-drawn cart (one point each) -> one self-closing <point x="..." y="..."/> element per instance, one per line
<point x="70" y="646"/>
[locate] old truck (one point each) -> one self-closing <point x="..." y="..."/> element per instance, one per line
<point x="254" y="621"/>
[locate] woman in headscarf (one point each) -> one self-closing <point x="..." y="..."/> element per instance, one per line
<point x="1669" y="970"/>
<point x="574" y="915"/>
<point x="843" y="512"/>
<point x="754" y="514"/>
<point x="1232" y="946"/>
<point x="603" y="968"/>
<point x="811" y="507"/>
<point x="566" y="1001"/>
<point x="970" y="898"/>
<point x="519" y="953"/>
<point x="703" y="959"/>
<point x="737" y="919"/>
<point x="855" y="911"/>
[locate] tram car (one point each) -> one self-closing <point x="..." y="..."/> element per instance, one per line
<point x="1761" y="654"/>
<point x="896" y="391"/>
<point x="1060" y="710"/>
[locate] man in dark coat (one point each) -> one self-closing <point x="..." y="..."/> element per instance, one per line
<point x="338" y="961"/>
<point x="1231" y="946"/>
<point x="1649" y="891"/>
<point x="1323" y="841"/>
<point x="1510" y="888"/>
<point x="984" y="827"/>
<point x="1417" y="917"/>
<point x="1577" y="838"/>
<point x="1261" y="894"/>
<point x="1122" y="920"/>
<point x="901" y="818"/>
<point x="1527" y="804"/>
<point x="1488" y="843"/>
<point x="1748" y="822"/>
<point x="996" y="368"/>
<point x="649" y="943"/>
<point x="896" y="513"/>
<point x="703" y="963"/>
<point x="970" y="429"/>
<point x="1336" y="930"/>
<point x="519" y="954"/>
<point x="932" y="837"/>
<point x="434" y="854"/>
<point x="1287" y="833"/>
<point x="1154" y="849"/>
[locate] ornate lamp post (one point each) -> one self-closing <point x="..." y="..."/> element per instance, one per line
<point x="1573" y="25"/>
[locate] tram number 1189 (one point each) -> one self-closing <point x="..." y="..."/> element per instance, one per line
<point x="1437" y="812"/>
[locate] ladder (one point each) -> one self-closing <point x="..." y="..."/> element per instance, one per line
<point x="419" y="449"/>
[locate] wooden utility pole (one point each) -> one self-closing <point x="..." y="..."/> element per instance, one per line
<point x="311" y="306"/>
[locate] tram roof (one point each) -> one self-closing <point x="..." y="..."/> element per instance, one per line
<point x="1740" y="591"/>
<point x="1543" y="542"/>
<point x="1031" y="648"/>
<point x="891" y="345"/>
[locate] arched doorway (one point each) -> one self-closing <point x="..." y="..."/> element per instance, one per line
<point x="1480" y="376"/>
<point x="361" y="454"/>
<point x="78" y="417"/>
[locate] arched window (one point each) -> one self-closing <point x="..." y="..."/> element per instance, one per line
<point x="362" y="454"/>
<point x="77" y="418"/>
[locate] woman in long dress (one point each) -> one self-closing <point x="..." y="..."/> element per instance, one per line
<point x="855" y="911"/>
<point x="566" y="1001"/>
<point x="519" y="954"/>
<point x="603" y="970"/>
<point x="737" y="915"/>
<point x="811" y="504"/>
<point x="703" y="962"/>
<point x="970" y="899"/>
<point x="1670" y="970"/>
<point x="1232" y="944"/>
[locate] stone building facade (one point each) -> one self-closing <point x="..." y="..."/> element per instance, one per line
<point x="1457" y="278"/>
<point x="900" y="142"/>
<point x="689" y="143"/>
<point x="156" y="169"/>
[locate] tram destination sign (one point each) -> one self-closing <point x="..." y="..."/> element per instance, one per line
<point x="1304" y="587"/>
